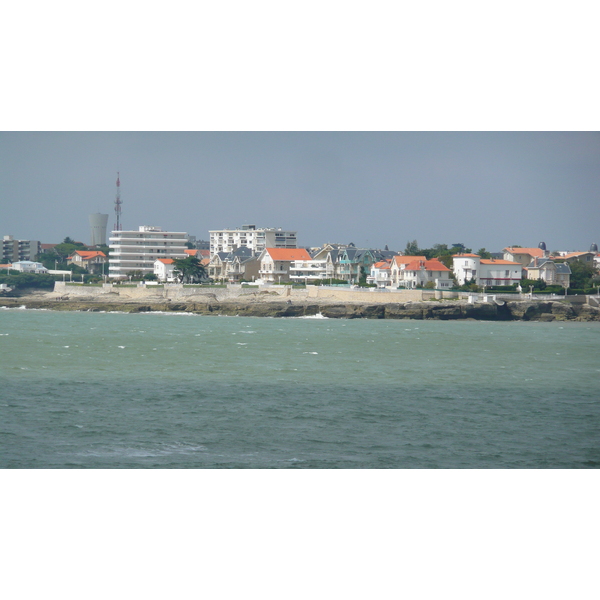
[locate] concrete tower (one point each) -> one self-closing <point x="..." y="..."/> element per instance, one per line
<point x="98" y="223"/>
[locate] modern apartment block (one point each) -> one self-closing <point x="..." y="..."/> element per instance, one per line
<point x="138" y="250"/>
<point x="16" y="250"/>
<point x="257" y="239"/>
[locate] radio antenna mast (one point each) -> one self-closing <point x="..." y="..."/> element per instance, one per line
<point x="118" y="205"/>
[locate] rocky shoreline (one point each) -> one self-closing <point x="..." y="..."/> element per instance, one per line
<point x="438" y="310"/>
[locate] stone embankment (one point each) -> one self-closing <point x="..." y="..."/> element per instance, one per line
<point x="254" y="306"/>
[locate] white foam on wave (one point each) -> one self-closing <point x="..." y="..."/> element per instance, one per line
<point x="166" y="450"/>
<point x="173" y="313"/>
<point x="310" y="353"/>
<point x="317" y="316"/>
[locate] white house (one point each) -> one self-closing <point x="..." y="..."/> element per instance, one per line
<point x="163" y="269"/>
<point x="421" y="272"/>
<point x="275" y="263"/>
<point x="488" y="272"/>
<point x="29" y="266"/>
<point x="381" y="274"/>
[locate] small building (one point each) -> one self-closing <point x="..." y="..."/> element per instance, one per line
<point x="550" y="272"/>
<point x="524" y="256"/>
<point x="380" y="274"/>
<point x="163" y="269"/>
<point x="488" y="272"/>
<point x="275" y="263"/>
<point x="419" y="273"/>
<point x="29" y="266"/>
<point x="92" y="260"/>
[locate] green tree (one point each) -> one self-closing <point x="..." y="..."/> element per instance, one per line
<point x="582" y="275"/>
<point x="483" y="253"/>
<point x="189" y="269"/>
<point x="412" y="248"/>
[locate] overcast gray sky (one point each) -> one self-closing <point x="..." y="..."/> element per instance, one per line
<point x="373" y="189"/>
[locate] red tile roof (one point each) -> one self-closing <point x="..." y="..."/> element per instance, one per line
<point x="495" y="261"/>
<point x="89" y="254"/>
<point x="531" y="251"/>
<point x="404" y="260"/>
<point x="573" y="254"/>
<point x="430" y="265"/>
<point x="288" y="253"/>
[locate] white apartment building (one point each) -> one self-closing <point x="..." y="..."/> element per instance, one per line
<point x="257" y="239"/>
<point x="138" y="250"/>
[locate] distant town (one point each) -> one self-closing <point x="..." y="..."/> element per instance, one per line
<point x="270" y="255"/>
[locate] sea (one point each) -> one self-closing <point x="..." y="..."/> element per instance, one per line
<point x="89" y="390"/>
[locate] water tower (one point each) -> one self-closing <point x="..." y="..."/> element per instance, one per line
<point x="98" y="223"/>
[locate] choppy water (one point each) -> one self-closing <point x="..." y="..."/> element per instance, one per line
<point x="89" y="390"/>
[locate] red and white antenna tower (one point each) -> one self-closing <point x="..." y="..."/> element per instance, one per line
<point x="118" y="205"/>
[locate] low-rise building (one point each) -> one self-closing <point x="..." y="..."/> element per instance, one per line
<point x="92" y="260"/>
<point x="29" y="266"/>
<point x="275" y="263"/>
<point x="550" y="272"/>
<point x="524" y="256"/>
<point x="163" y="269"/>
<point x="419" y="273"/>
<point x="380" y="274"/>
<point x="488" y="272"/>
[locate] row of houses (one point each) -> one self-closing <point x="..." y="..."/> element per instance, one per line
<point x="270" y="255"/>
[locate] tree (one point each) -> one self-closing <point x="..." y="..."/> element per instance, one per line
<point x="582" y="275"/>
<point x="412" y="248"/>
<point x="189" y="269"/>
<point x="483" y="253"/>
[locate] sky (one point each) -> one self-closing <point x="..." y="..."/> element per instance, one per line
<point x="482" y="189"/>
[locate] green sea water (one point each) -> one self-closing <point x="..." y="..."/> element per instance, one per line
<point x="115" y="390"/>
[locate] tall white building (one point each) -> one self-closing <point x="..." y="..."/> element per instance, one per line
<point x="228" y="240"/>
<point x="138" y="250"/>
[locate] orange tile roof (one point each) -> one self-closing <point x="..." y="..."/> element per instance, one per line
<point x="573" y="254"/>
<point x="384" y="264"/>
<point x="468" y="255"/>
<point x="88" y="254"/>
<point x="404" y="260"/>
<point x="430" y="265"/>
<point x="191" y="252"/>
<point x="531" y="251"/>
<point x="288" y="253"/>
<point x="496" y="261"/>
<point x="166" y="261"/>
